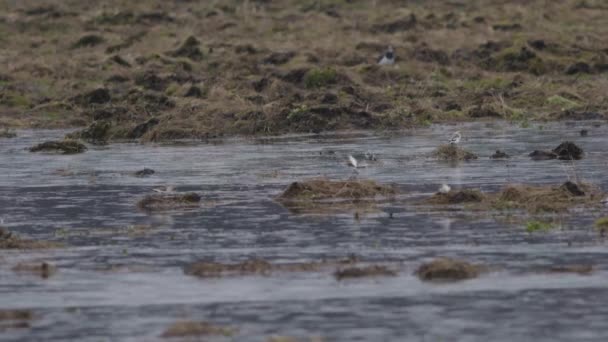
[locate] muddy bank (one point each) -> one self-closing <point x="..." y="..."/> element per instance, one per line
<point x="153" y="72"/>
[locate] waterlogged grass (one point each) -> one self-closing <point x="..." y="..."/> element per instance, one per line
<point x="539" y="226"/>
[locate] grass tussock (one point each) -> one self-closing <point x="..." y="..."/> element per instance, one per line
<point x="323" y="189"/>
<point x="206" y="269"/>
<point x="532" y="198"/>
<point x="169" y="201"/>
<point x="64" y="147"/>
<point x="446" y="269"/>
<point x="195" y="328"/>
<point x="453" y="153"/>
<point x="366" y="271"/>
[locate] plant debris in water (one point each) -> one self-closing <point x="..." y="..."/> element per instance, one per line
<point x="322" y="189"/>
<point x="207" y="269"/>
<point x="453" y="153"/>
<point x="64" y="147"/>
<point x="366" y="271"/>
<point x="447" y="269"/>
<point x="15" y="319"/>
<point x="169" y="201"/>
<point x="9" y="240"/>
<point x="194" y="328"/>
<point x="42" y="269"/>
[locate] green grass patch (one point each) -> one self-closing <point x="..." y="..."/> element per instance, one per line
<point x="561" y="102"/>
<point x="317" y="78"/>
<point x="538" y="226"/>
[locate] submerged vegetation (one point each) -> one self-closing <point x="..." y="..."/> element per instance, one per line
<point x="446" y="269"/>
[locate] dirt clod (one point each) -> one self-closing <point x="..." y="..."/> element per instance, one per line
<point x="447" y="269"/>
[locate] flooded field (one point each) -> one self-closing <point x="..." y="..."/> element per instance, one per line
<point x="120" y="274"/>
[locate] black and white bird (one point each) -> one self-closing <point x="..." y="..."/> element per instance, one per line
<point x="388" y="58"/>
<point x="455" y="139"/>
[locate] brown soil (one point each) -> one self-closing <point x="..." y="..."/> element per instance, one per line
<point x="169" y="201"/>
<point x="9" y="240"/>
<point x="264" y="67"/>
<point x="366" y="271"/>
<point x="206" y="269"/>
<point x="453" y="153"/>
<point x="446" y="269"/>
<point x="193" y="328"/>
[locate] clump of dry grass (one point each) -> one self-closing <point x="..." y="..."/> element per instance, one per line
<point x="205" y="269"/>
<point x="169" y="201"/>
<point x="194" y="328"/>
<point x="8" y="240"/>
<point x="366" y="271"/>
<point x="323" y="189"/>
<point x="457" y="197"/>
<point x="453" y="153"/>
<point x="447" y="269"/>
<point x="64" y="147"/>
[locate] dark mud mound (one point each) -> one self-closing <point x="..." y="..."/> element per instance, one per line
<point x="453" y="153"/>
<point x="8" y="240"/>
<point x="322" y="189"/>
<point x="145" y="172"/>
<point x="41" y="269"/>
<point x="568" y="151"/>
<point x="500" y="155"/>
<point x="457" y="197"/>
<point x="446" y="269"/>
<point x="205" y="269"/>
<point x="565" y="151"/>
<point x="64" y="147"/>
<point x="361" y="272"/>
<point x="169" y="201"/>
<point x="193" y="328"/>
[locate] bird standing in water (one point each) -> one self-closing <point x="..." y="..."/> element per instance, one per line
<point x="455" y="139"/>
<point x="388" y="58"/>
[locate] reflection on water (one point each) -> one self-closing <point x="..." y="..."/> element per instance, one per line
<point x="121" y="276"/>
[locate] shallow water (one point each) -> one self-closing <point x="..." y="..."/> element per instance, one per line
<point x="117" y="282"/>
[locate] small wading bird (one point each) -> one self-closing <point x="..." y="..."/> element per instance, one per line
<point x="455" y="139"/>
<point x="444" y="189"/>
<point x="164" y="189"/>
<point x="388" y="58"/>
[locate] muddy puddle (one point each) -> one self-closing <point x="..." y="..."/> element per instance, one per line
<point x="120" y="273"/>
